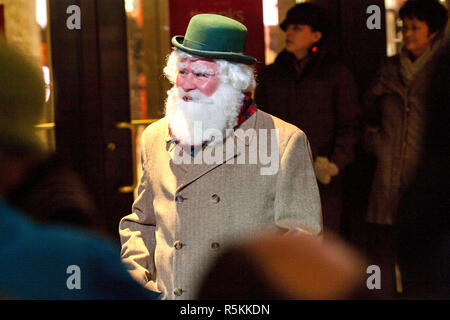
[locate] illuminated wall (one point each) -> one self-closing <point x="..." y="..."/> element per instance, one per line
<point x="21" y="28"/>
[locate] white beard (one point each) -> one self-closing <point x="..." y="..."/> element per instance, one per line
<point x="220" y="111"/>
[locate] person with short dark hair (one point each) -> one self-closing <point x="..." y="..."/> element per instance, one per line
<point x="431" y="12"/>
<point x="396" y="116"/>
<point x="395" y="108"/>
<point x="313" y="90"/>
<point x="423" y="224"/>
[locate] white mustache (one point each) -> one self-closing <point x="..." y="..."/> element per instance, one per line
<point x="194" y="95"/>
<point x="219" y="111"/>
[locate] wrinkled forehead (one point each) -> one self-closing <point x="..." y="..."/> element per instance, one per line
<point x="198" y="65"/>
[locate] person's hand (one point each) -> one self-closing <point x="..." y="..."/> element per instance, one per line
<point x="325" y="170"/>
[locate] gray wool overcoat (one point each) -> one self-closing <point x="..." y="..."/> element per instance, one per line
<point x="186" y="213"/>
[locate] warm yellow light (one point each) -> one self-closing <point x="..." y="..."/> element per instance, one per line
<point x="270" y="12"/>
<point x="41" y="13"/>
<point x="129" y="5"/>
<point x="390" y="4"/>
<point x="46" y="73"/>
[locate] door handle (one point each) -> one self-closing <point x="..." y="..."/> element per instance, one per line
<point x="132" y="126"/>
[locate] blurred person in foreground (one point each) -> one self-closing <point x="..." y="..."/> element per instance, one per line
<point x="396" y="116"/>
<point x="53" y="193"/>
<point x="268" y="267"/>
<point x="41" y="261"/>
<point x="205" y="181"/>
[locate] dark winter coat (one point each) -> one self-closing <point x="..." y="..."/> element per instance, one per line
<point x="321" y="99"/>
<point x="318" y="95"/>
<point x="397" y="139"/>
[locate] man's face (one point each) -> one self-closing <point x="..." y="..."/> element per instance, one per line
<point x="416" y="36"/>
<point x="300" y="38"/>
<point x="200" y="95"/>
<point x="201" y="75"/>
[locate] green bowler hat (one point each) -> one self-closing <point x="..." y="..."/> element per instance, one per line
<point x="216" y="37"/>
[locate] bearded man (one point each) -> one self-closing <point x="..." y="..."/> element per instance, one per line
<point x="204" y="183"/>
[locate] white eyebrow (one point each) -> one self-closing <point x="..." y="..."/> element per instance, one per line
<point x="181" y="65"/>
<point x="202" y="69"/>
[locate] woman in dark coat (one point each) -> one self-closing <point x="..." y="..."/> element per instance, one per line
<point x="310" y="89"/>
<point x="396" y="108"/>
<point x="397" y="113"/>
<point x="422" y="224"/>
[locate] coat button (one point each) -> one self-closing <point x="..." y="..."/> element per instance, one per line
<point x="215" y="198"/>
<point x="178" y="245"/>
<point x="178" y="292"/>
<point x="179" y="198"/>
<point x="215" y="245"/>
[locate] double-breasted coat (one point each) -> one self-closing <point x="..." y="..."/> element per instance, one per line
<point x="185" y="213"/>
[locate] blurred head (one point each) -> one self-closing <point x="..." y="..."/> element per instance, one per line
<point x="423" y="22"/>
<point x="293" y="267"/>
<point x="304" y="27"/>
<point x="206" y="91"/>
<point x="21" y="105"/>
<point x="15" y="165"/>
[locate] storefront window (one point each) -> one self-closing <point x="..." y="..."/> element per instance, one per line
<point x="148" y="45"/>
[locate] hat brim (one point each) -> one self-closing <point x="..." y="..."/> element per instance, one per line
<point x="177" y="41"/>
<point x="284" y="25"/>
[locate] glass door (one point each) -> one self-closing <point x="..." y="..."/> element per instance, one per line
<point x="92" y="102"/>
<point x="148" y="43"/>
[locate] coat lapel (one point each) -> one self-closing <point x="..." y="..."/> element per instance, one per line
<point x="419" y="79"/>
<point x="392" y="81"/>
<point x="237" y="138"/>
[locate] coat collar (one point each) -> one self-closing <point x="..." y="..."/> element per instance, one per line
<point x="240" y="136"/>
<point x="391" y="80"/>
<point x="294" y="68"/>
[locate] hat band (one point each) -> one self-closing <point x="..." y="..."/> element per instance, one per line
<point x="201" y="46"/>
